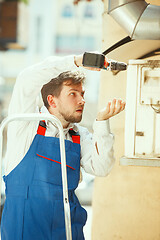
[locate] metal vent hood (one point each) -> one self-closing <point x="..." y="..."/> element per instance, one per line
<point x="138" y="18"/>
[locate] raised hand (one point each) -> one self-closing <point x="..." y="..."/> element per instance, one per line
<point x="112" y="108"/>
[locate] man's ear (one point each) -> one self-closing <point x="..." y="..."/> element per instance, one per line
<point x="51" y="101"/>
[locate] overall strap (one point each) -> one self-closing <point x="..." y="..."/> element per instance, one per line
<point x="41" y="128"/>
<point x="75" y="136"/>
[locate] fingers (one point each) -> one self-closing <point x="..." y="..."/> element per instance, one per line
<point x="113" y="107"/>
<point x="108" y="108"/>
<point x="116" y="106"/>
<point x="123" y="106"/>
<point x="78" y="60"/>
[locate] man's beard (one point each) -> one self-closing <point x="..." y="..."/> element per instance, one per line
<point x="71" y="119"/>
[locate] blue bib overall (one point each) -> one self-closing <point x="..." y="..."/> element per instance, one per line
<point x="33" y="208"/>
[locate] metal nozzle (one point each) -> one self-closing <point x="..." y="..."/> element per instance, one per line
<point x="120" y="66"/>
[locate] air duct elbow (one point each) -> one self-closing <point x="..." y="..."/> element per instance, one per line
<point x="139" y="19"/>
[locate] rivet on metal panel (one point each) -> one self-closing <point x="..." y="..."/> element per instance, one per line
<point x="140" y="134"/>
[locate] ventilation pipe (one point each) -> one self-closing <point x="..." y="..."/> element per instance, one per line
<point x="138" y="18"/>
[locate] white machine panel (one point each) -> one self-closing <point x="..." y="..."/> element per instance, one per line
<point x="142" y="125"/>
<point x="150" y="85"/>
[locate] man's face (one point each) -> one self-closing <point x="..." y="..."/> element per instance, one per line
<point x="70" y="103"/>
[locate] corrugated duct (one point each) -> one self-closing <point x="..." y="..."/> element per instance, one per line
<point x="138" y="18"/>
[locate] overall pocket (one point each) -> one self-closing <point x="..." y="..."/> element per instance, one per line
<point x="48" y="164"/>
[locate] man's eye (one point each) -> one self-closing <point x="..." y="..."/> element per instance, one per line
<point x="72" y="94"/>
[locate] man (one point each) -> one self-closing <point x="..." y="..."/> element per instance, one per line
<point x="34" y="203"/>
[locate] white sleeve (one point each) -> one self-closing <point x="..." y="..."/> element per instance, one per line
<point x="98" y="161"/>
<point x="30" y="81"/>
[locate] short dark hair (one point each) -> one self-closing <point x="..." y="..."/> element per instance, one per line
<point x="54" y="87"/>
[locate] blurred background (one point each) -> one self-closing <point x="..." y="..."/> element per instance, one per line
<point x="126" y="204"/>
<point x="32" y="30"/>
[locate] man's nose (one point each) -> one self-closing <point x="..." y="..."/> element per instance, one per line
<point x="82" y="101"/>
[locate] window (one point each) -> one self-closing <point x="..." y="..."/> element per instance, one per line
<point x="74" y="44"/>
<point x="67" y="11"/>
<point x="89" y="11"/>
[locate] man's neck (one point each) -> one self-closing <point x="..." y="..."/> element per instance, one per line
<point x="64" y="123"/>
